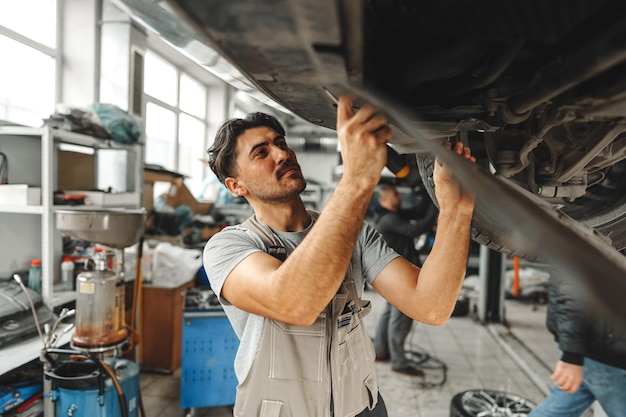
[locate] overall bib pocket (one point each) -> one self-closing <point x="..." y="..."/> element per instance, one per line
<point x="298" y="358"/>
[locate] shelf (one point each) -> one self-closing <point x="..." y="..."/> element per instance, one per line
<point x="84" y="140"/>
<point x="26" y="146"/>
<point x="65" y="136"/>
<point x="39" y="209"/>
<point x="21" y="209"/>
<point x="20" y="130"/>
<point x="19" y="354"/>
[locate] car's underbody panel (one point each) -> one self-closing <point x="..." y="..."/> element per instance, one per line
<point x="540" y="86"/>
<point x="536" y="88"/>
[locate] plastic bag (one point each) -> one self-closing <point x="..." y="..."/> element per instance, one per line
<point x="77" y="120"/>
<point x="173" y="266"/>
<point x="122" y="126"/>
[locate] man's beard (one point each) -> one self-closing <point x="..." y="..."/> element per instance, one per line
<point x="278" y="193"/>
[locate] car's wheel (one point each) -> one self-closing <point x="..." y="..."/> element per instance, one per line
<point x="603" y="208"/>
<point x="488" y="403"/>
<point x="484" y="232"/>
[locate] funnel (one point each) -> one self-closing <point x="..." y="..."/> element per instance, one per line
<point x="116" y="228"/>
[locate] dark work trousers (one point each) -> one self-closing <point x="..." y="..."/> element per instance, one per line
<point x="393" y="328"/>
<point x="379" y="411"/>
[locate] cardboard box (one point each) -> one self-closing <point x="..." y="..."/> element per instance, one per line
<point x="148" y="195"/>
<point x="76" y="171"/>
<point x="151" y="176"/>
<point x="20" y="195"/>
<point x="178" y="193"/>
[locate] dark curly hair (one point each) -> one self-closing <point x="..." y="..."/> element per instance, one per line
<point x="223" y="152"/>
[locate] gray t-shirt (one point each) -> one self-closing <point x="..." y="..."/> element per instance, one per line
<point x="233" y="244"/>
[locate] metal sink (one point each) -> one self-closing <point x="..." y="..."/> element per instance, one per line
<point x="116" y="228"/>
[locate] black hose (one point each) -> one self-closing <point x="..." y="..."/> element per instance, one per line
<point x="422" y="360"/>
<point x="118" y="387"/>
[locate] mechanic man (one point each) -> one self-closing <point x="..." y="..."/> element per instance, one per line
<point x="290" y="279"/>
<point x="399" y="232"/>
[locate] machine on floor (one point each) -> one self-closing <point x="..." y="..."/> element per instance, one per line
<point x="91" y="378"/>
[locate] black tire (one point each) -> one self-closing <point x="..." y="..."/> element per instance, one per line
<point x="484" y="232"/>
<point x="489" y="403"/>
<point x="603" y="208"/>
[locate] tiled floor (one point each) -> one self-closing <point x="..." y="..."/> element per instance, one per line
<point x="475" y="355"/>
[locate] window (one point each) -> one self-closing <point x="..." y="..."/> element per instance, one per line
<point x="33" y="19"/>
<point x="192" y="97"/>
<point x="160" y="136"/>
<point x="160" y="79"/>
<point x="191" y="142"/>
<point x="176" y="120"/>
<point x="28" y="42"/>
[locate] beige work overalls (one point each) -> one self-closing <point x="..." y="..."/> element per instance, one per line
<point x="296" y="368"/>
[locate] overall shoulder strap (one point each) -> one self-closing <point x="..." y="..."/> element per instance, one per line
<point x="274" y="246"/>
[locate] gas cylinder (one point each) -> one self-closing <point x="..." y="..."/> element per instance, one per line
<point x="99" y="306"/>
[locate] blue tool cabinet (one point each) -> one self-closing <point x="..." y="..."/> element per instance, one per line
<point x="209" y="346"/>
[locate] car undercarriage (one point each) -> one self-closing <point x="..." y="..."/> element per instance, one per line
<point x="536" y="88"/>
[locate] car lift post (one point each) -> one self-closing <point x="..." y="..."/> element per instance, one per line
<point x="490" y="306"/>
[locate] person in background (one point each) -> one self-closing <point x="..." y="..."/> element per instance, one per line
<point x="290" y="280"/>
<point x="400" y="233"/>
<point x="593" y="354"/>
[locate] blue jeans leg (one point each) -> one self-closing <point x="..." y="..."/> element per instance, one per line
<point x="560" y="403"/>
<point x="608" y="385"/>
<point x="601" y="382"/>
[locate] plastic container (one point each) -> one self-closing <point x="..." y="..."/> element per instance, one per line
<point x="34" y="275"/>
<point x="99" y="306"/>
<point x="67" y="274"/>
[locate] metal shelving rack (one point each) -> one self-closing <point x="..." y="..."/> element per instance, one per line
<point x="27" y="350"/>
<point x="50" y="138"/>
